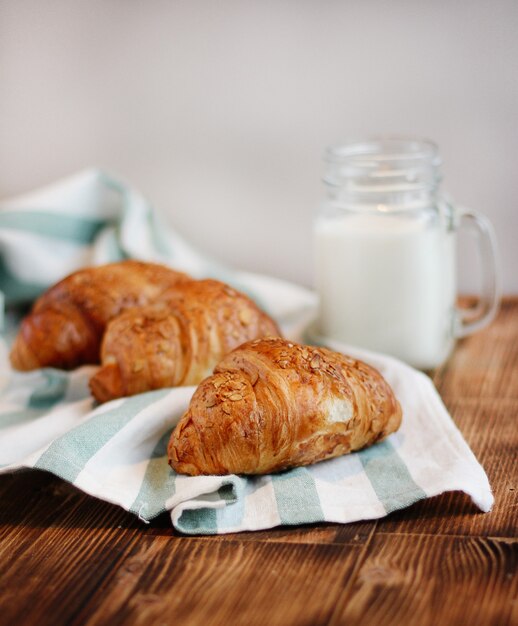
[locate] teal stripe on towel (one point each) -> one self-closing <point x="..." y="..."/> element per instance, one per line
<point x="297" y="497"/>
<point x="67" y="456"/>
<point x="43" y="398"/>
<point x="235" y="495"/>
<point x="205" y="520"/>
<point x="15" y="290"/>
<point x="198" y="521"/>
<point x="158" y="484"/>
<point x="389" y="477"/>
<point x="58" y="226"/>
<point x="116" y="252"/>
<point x="52" y="391"/>
<point x="19" y="417"/>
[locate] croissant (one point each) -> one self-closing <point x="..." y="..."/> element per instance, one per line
<point x="272" y="404"/>
<point x="178" y="343"/>
<point x="66" y="324"/>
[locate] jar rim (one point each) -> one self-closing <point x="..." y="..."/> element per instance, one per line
<point x="384" y="148"/>
<point x="388" y="163"/>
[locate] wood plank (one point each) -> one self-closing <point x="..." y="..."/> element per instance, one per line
<point x="351" y="534"/>
<point x="55" y="549"/>
<point x="433" y="580"/>
<point x="489" y="427"/>
<point x="39" y="499"/>
<point x="485" y="365"/>
<point x="195" y="581"/>
<point x="356" y="533"/>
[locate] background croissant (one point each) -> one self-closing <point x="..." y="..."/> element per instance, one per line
<point x="66" y="324"/>
<point x="178" y="343"/>
<point x="272" y="404"/>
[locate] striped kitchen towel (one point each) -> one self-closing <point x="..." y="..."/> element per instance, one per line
<point x="117" y="451"/>
<point x="92" y="218"/>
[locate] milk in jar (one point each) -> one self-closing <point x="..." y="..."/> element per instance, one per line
<point x="386" y="283"/>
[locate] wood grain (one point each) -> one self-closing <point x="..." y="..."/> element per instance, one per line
<point x="192" y="581"/>
<point x="56" y="551"/>
<point x="66" y="558"/>
<point x="429" y="580"/>
<point x="485" y="365"/>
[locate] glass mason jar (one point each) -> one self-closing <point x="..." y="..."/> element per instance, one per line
<point x="385" y="241"/>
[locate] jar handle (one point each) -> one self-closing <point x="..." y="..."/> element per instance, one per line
<point x="469" y="320"/>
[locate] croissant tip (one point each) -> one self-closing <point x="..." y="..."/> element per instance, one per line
<point x="21" y="356"/>
<point x="14" y="359"/>
<point x="106" y="383"/>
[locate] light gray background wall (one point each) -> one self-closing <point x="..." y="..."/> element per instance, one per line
<point x="219" y="111"/>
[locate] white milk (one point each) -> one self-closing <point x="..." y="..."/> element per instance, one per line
<point x="387" y="283"/>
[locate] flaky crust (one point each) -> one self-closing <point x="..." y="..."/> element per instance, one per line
<point x="178" y="343"/>
<point x="272" y="404"/>
<point x="66" y="324"/>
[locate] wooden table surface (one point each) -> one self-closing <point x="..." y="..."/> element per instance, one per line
<point x="66" y="558"/>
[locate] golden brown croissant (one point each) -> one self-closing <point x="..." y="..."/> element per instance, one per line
<point x="177" y="344"/>
<point x="66" y="324"/>
<point x="272" y="404"/>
